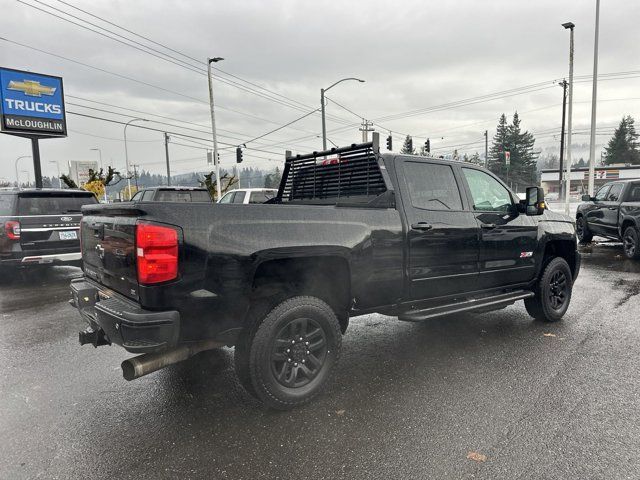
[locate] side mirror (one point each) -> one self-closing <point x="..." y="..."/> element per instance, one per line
<point x="535" y="201"/>
<point x="587" y="198"/>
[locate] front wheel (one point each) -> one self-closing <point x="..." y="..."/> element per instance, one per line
<point x="293" y="352"/>
<point x="582" y="230"/>
<point x="553" y="292"/>
<point x="630" y="243"/>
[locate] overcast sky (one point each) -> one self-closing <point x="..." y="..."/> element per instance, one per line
<point x="412" y="54"/>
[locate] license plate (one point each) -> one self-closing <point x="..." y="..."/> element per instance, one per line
<point x="72" y="235"/>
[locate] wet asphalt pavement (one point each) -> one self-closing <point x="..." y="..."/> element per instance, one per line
<point x="409" y="400"/>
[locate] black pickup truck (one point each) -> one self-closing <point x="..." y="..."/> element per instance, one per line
<point x="352" y="231"/>
<point x="40" y="226"/>
<point x="614" y="213"/>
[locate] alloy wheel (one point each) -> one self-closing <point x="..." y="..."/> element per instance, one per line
<point x="299" y="352"/>
<point x="629" y="245"/>
<point x="558" y="290"/>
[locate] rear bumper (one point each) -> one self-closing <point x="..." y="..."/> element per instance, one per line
<point x="43" y="259"/>
<point x="120" y="321"/>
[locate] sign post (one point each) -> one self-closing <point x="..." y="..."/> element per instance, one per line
<point x="32" y="106"/>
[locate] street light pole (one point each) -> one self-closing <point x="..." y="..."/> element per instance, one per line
<point x="594" y="94"/>
<point x="126" y="153"/>
<point x="18" y="173"/>
<point x="216" y="163"/>
<point x="324" y="122"/>
<point x="570" y="26"/>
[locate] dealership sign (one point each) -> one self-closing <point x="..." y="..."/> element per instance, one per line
<point x="32" y="104"/>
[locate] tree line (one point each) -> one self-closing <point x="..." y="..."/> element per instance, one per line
<point x="513" y="157"/>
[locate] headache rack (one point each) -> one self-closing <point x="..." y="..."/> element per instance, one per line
<point x="345" y="175"/>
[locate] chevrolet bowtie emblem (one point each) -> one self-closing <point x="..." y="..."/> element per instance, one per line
<point x="31" y="88"/>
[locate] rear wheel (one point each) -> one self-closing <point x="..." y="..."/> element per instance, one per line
<point x="630" y="243"/>
<point x="292" y="353"/>
<point x="582" y="230"/>
<point x="553" y="292"/>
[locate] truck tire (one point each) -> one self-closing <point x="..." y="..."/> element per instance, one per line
<point x="291" y="354"/>
<point x="630" y="243"/>
<point x="553" y="292"/>
<point x="582" y="230"/>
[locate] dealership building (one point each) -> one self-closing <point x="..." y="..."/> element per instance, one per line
<point x="580" y="177"/>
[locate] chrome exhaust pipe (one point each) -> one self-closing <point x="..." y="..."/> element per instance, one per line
<point x="147" y="363"/>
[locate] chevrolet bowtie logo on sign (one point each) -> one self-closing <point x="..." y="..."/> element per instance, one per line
<point x="31" y="88"/>
<point x="31" y="104"/>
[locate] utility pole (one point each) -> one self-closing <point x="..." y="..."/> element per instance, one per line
<point x="567" y="192"/>
<point x="365" y="130"/>
<point x="166" y="152"/>
<point x="135" y="175"/>
<point x="564" y="110"/>
<point x="594" y="94"/>
<point x="486" y="148"/>
<point x="213" y="125"/>
<point x="126" y="151"/>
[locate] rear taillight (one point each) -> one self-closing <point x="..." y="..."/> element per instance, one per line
<point x="12" y="229"/>
<point x="156" y="253"/>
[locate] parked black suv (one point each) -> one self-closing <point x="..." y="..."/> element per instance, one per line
<point x="361" y="232"/>
<point x="41" y="226"/>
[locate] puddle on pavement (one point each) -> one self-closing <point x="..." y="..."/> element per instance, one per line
<point x="608" y="256"/>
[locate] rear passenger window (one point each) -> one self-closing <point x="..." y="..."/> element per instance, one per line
<point x="634" y="193"/>
<point x="614" y="193"/>
<point x="432" y="186"/>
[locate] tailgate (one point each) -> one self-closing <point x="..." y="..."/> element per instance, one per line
<point x="108" y="252"/>
<point x="49" y="232"/>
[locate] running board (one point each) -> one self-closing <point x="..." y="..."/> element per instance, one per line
<point x="497" y="301"/>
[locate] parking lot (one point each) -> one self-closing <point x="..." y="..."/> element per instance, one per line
<point x="523" y="399"/>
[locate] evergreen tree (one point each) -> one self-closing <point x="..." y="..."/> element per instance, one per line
<point x="272" y="180"/>
<point x="510" y="138"/>
<point x="581" y="163"/>
<point x="496" y="153"/>
<point x="623" y="146"/>
<point x="407" y="147"/>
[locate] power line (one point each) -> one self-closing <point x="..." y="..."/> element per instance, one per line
<point x="180" y="53"/>
<point x="281" y="127"/>
<point x="135" y="80"/>
<point x="150" y="51"/>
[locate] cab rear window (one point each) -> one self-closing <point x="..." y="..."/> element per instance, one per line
<point x="52" y="204"/>
<point x="182" y="196"/>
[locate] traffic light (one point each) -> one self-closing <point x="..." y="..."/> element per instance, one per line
<point x="427" y="146"/>
<point x="389" y="142"/>
<point x="238" y="155"/>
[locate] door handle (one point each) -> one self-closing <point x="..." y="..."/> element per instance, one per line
<point x="613" y="208"/>
<point x="487" y="226"/>
<point x="423" y="226"/>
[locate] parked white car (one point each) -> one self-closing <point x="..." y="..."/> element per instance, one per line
<point x="248" y="195"/>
